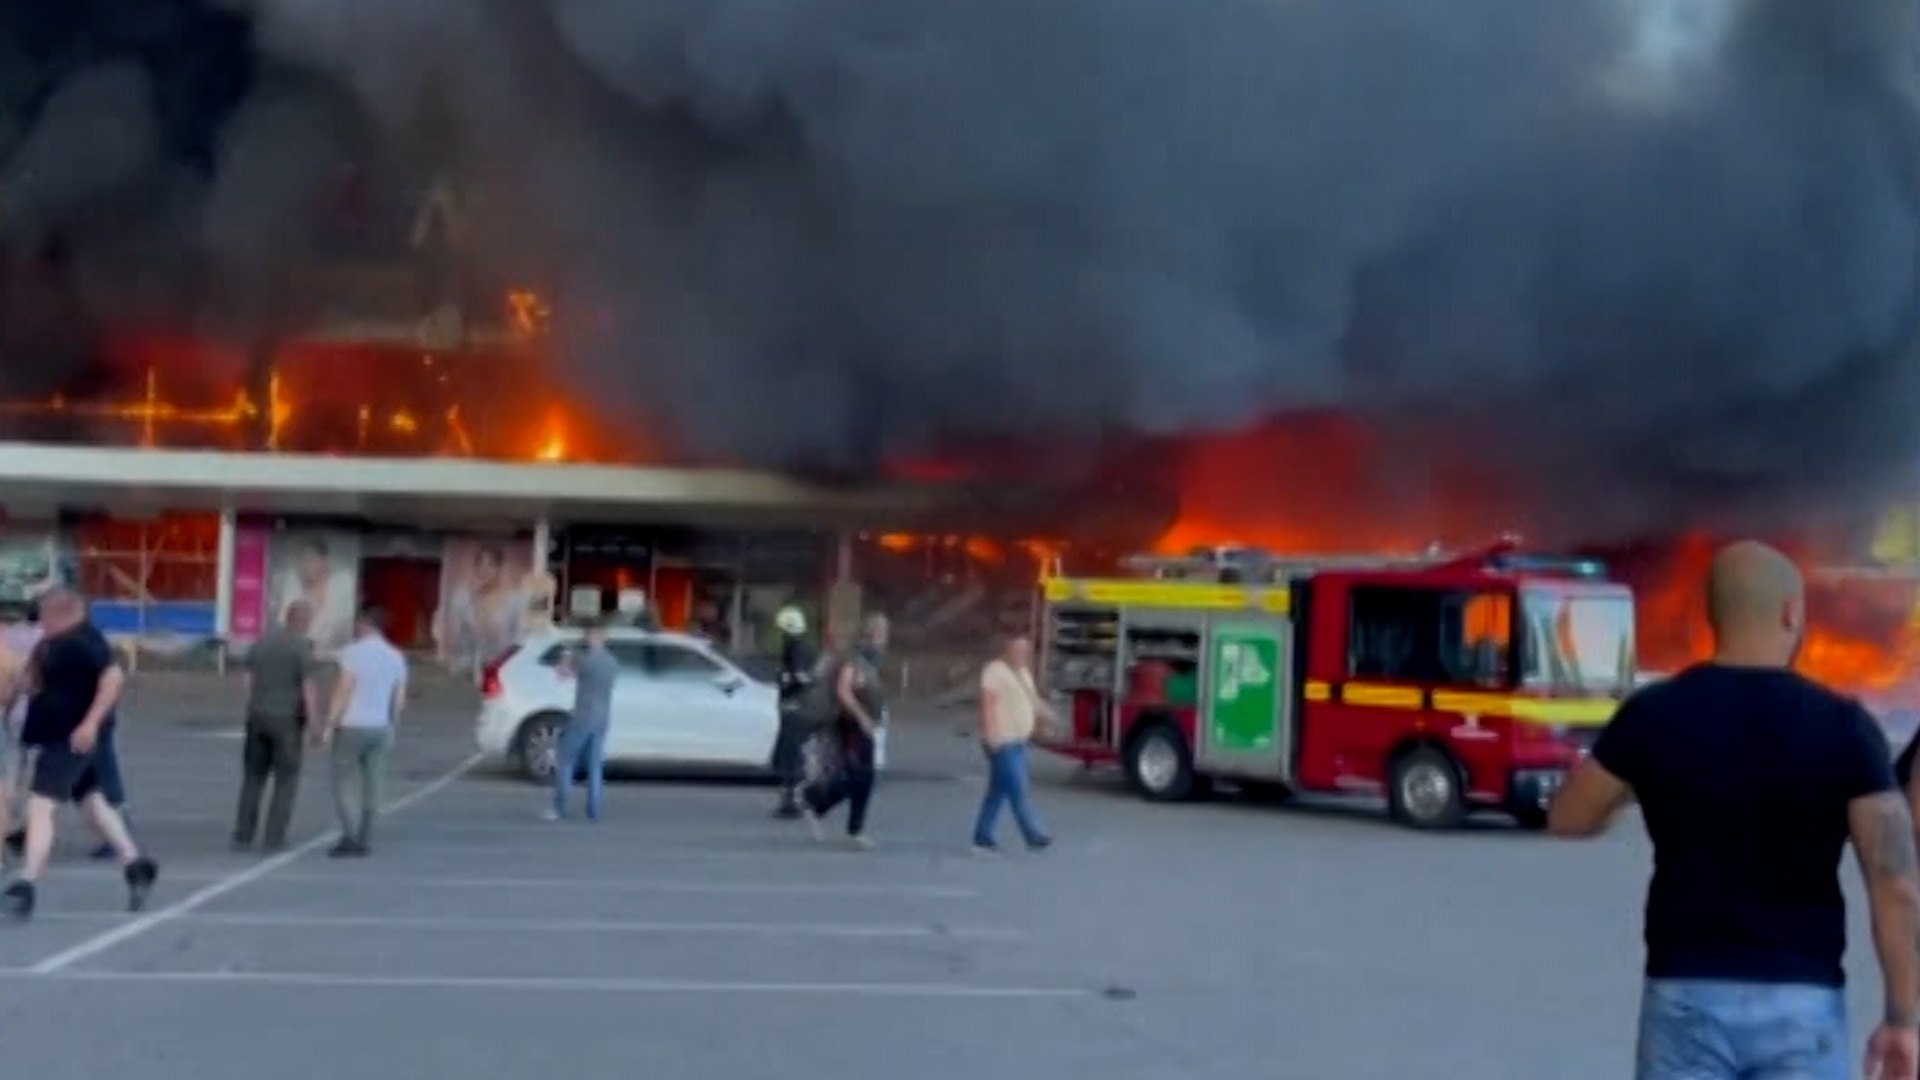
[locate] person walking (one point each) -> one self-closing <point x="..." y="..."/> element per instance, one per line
<point x="282" y="694"/>
<point x="13" y="678"/>
<point x="1751" y="780"/>
<point x="367" y="700"/>
<point x="583" y="742"/>
<point x="113" y="784"/>
<point x="1009" y="706"/>
<point x="861" y="706"/>
<point x="799" y="721"/>
<point x="77" y="684"/>
<point x="18" y="639"/>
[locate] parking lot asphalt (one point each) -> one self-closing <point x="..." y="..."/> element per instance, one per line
<point x="688" y="935"/>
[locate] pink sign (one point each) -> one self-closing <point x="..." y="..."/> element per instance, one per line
<point x="247" y="607"/>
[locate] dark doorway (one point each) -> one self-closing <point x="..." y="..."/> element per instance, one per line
<point x="408" y="590"/>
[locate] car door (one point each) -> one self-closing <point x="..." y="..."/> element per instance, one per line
<point x="714" y="713"/>
<point x="638" y="729"/>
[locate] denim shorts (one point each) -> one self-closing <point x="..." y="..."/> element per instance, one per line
<point x="1712" y="1030"/>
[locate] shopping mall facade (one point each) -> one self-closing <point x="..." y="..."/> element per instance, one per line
<point x="195" y="551"/>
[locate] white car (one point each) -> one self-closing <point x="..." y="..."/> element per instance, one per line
<point x="677" y="703"/>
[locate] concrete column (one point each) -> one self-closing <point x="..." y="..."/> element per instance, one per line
<point x="542" y="542"/>
<point x="843" y="595"/>
<point x="223" y="588"/>
<point x="843" y="556"/>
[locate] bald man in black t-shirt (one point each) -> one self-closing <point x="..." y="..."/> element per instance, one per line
<point x="1751" y="781"/>
<point x="77" y="682"/>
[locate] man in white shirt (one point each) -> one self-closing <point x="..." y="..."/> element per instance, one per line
<point x="366" y="706"/>
<point x="1009" y="706"/>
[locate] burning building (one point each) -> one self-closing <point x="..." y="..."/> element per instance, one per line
<point x="1589" y="270"/>
<point x="373" y="416"/>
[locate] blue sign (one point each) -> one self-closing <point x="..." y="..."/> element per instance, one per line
<point x="186" y="618"/>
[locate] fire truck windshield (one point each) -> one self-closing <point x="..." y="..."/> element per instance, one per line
<point x="1578" y="640"/>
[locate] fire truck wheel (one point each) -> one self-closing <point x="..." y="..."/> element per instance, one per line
<point x="1426" y="791"/>
<point x="1159" y="764"/>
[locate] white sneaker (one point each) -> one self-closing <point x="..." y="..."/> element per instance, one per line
<point x="550" y="814"/>
<point x="813" y="823"/>
<point x="863" y="842"/>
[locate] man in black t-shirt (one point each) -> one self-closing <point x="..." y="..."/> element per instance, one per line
<point x="77" y="682"/>
<point x="1751" y="780"/>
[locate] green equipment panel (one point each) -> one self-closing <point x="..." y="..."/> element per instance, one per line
<point x="1243" y="688"/>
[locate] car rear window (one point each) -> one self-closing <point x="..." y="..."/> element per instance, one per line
<point x="631" y="654"/>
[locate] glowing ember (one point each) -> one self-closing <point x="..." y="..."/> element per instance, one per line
<point x="553" y="444"/>
<point x="984" y="550"/>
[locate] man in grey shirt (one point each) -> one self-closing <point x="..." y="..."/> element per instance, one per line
<point x="583" y="744"/>
<point x="282" y="694"/>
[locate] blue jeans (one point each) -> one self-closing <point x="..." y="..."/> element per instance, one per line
<point x="1712" y="1030"/>
<point x="1007" y="785"/>
<point x="580" y="747"/>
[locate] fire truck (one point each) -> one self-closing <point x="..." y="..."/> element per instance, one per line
<point x="1448" y="684"/>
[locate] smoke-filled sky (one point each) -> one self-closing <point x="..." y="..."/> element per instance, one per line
<point x="1658" y="253"/>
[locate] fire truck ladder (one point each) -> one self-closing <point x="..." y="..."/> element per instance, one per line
<point x="1254" y="566"/>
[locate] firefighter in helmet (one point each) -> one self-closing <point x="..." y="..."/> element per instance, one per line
<point x="799" y="672"/>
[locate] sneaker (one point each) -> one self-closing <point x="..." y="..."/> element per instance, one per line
<point x="813" y="823"/>
<point x="550" y="814"/>
<point x="987" y="850"/>
<point x="141" y="873"/>
<point x="18" y="899"/>
<point x="343" y="849"/>
<point x="1041" y="844"/>
<point x="861" y="842"/>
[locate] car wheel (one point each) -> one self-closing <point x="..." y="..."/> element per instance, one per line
<point x="1426" y="791"/>
<point x="539" y="746"/>
<point x="1159" y="765"/>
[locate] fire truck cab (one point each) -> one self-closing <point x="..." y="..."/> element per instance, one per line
<point x="1447" y="684"/>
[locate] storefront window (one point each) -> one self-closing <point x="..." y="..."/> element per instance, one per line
<point x="153" y="577"/>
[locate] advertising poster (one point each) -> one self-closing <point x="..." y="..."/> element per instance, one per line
<point x="321" y="567"/>
<point x="247" y="604"/>
<point x="488" y="587"/>
<point x="32" y="560"/>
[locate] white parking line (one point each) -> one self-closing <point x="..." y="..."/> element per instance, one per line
<point x="461" y="924"/>
<point x="612" y="884"/>
<point x="573" y="985"/>
<point x="630" y="884"/>
<point x="93" y="946"/>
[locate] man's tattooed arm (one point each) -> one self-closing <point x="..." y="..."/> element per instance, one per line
<point x="1883" y="838"/>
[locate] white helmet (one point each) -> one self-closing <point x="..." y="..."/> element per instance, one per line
<point x="790" y="620"/>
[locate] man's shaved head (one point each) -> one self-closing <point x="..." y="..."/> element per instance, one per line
<point x="1755" y="601"/>
<point x="61" y="608"/>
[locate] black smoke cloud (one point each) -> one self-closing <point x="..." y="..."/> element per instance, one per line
<point x="1659" y="255"/>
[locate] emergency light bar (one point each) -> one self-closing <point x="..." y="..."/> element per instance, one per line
<point x="1584" y="569"/>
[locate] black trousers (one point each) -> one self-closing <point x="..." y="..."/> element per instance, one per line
<point x="789" y="757"/>
<point x="273" y="751"/>
<point x="852" y="783"/>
